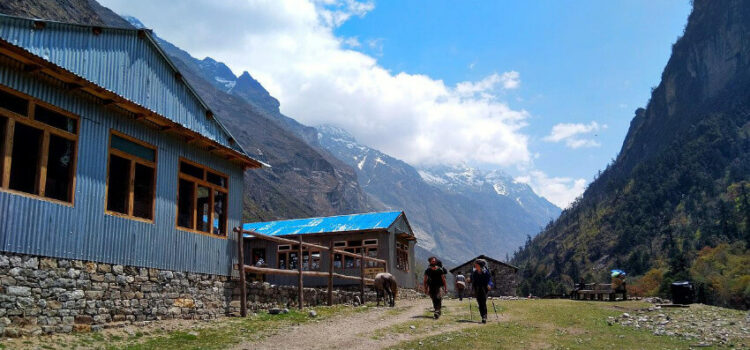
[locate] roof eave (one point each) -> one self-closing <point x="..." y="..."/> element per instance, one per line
<point x="142" y="113"/>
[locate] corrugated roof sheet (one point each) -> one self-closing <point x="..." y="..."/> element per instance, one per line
<point x="343" y="223"/>
<point x="121" y="61"/>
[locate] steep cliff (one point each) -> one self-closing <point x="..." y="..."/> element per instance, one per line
<point x="678" y="191"/>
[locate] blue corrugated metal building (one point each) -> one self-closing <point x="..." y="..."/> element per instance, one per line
<point x="385" y="235"/>
<point x="108" y="155"/>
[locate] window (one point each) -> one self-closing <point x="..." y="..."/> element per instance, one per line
<point x="202" y="200"/>
<point x="370" y="247"/>
<point x="288" y="258"/>
<point x="402" y="256"/>
<point x="131" y="177"/>
<point x="37" y="147"/>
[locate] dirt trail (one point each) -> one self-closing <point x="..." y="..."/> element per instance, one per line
<point x="356" y="331"/>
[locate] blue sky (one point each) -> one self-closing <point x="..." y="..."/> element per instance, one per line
<point x="579" y="61"/>
<point x="543" y="90"/>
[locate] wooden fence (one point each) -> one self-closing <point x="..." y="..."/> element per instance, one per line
<point x="300" y="272"/>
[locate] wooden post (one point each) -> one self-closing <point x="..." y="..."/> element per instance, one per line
<point x="330" y="274"/>
<point x="241" y="265"/>
<point x="362" y="280"/>
<point x="299" y="268"/>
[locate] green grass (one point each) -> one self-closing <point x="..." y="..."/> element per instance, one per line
<point x="218" y="334"/>
<point x="551" y="324"/>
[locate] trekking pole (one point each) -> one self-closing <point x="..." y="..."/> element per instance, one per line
<point x="494" y="308"/>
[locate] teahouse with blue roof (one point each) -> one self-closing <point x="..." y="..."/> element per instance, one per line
<point x="384" y="235"/>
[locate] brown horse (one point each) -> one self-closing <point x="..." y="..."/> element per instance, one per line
<point x="385" y="285"/>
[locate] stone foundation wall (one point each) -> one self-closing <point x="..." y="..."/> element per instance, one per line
<point x="41" y="295"/>
<point x="48" y="295"/>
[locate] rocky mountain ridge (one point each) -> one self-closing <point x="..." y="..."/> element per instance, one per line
<point x="458" y="212"/>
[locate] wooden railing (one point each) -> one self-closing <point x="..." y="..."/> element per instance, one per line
<point x="300" y="272"/>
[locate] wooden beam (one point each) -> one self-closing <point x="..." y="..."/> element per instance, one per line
<point x="241" y="261"/>
<point x="31" y="68"/>
<point x="300" y="289"/>
<point x="310" y="245"/>
<point x="330" y="273"/>
<point x="10" y="132"/>
<point x="362" y="275"/>
<point x="271" y="271"/>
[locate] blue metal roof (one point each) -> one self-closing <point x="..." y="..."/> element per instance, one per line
<point x="342" y="223"/>
<point x="127" y="62"/>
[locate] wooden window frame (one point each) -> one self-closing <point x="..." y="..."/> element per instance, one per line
<point x="203" y="182"/>
<point x="402" y="251"/>
<point x="131" y="187"/>
<point x="286" y="254"/>
<point x="47" y="130"/>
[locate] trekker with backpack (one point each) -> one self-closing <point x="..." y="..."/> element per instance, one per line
<point x="434" y="279"/>
<point x="480" y="281"/>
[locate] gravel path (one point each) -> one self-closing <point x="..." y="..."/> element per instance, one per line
<point x="356" y="331"/>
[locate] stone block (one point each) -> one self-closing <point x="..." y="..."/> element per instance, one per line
<point x="184" y="302"/>
<point x="118" y="269"/>
<point x="104" y="268"/>
<point x="48" y="263"/>
<point x="82" y="328"/>
<point x="19" y="291"/>
<point x="90" y="267"/>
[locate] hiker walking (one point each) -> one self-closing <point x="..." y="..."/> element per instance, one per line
<point x="480" y="282"/>
<point x="434" y="279"/>
<point x="460" y="286"/>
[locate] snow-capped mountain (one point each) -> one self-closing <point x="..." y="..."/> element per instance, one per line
<point x="464" y="179"/>
<point x="458" y="212"/>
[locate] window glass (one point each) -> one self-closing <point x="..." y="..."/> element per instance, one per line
<point x="55" y="119"/>
<point x="27" y="144"/>
<point x="337" y="261"/>
<point x="315" y="261"/>
<point x="282" y="261"/>
<point x="143" y="191"/>
<point x="293" y="260"/>
<point x="220" y="213"/>
<point x="306" y="261"/>
<point x="216" y="179"/>
<point x="191" y="170"/>
<point x="204" y="208"/>
<point x="59" y="168"/>
<point x="118" y="184"/>
<point x="14" y="103"/>
<point x="133" y="148"/>
<point x="185" y="204"/>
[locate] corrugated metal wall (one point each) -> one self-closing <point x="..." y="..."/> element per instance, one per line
<point x="84" y="231"/>
<point x="120" y="61"/>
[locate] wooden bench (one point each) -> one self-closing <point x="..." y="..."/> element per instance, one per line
<point x="598" y="291"/>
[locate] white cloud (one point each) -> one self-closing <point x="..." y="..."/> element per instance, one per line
<point x="508" y="80"/>
<point x="561" y="191"/>
<point x="289" y="46"/>
<point x="571" y="134"/>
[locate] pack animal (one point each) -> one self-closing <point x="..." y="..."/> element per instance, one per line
<point x="386" y="286"/>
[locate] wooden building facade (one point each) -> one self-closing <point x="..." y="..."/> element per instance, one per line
<point x="386" y="236"/>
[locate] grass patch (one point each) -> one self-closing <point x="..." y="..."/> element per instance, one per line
<point x="218" y="334"/>
<point x="551" y="324"/>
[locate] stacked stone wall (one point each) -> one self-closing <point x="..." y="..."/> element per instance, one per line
<point x="40" y="295"/>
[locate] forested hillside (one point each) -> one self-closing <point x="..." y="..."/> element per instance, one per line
<point x="675" y="203"/>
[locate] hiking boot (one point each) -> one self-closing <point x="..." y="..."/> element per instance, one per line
<point x="484" y="319"/>
<point x="436" y="315"/>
